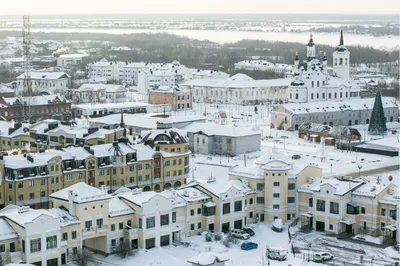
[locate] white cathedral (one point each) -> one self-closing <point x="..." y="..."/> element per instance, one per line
<point x="312" y="82"/>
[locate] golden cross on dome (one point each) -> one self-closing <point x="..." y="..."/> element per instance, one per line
<point x="297" y="51"/>
<point x="324" y="52"/>
<point x="311" y="36"/>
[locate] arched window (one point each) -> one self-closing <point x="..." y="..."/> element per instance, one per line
<point x="349" y="123"/>
<point x="345" y="62"/>
<point x="317" y="95"/>
<point x="356" y="122"/>
<point x="323" y="82"/>
<point x="331" y="124"/>
<point x="325" y="123"/>
<point x="335" y="61"/>
<point x="157" y="187"/>
<point x="290" y="96"/>
<point x="146" y="188"/>
<point x="391" y="119"/>
<point x="340" y="61"/>
<point x="347" y="94"/>
<point x="367" y="121"/>
<point x="296" y="127"/>
<point x="312" y="96"/>
<point x="341" y="94"/>
<point x="330" y="95"/>
<point x="318" y="83"/>
<point x="177" y="184"/>
<point x="312" y="84"/>
<point x="167" y="185"/>
<point x="297" y="96"/>
<point x="323" y="95"/>
<point x="335" y="95"/>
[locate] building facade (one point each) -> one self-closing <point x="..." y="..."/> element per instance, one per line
<point x="45" y="82"/>
<point x="173" y="95"/>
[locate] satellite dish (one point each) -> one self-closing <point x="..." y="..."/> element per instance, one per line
<point x="390" y="178"/>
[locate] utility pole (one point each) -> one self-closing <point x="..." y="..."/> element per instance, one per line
<point x="26" y="41"/>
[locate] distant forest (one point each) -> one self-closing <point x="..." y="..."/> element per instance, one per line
<point x="163" y="47"/>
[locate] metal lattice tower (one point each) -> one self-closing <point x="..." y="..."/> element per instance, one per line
<point x="26" y="41"/>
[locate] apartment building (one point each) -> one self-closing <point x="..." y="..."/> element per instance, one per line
<point x="13" y="136"/>
<point x="68" y="60"/>
<point x="348" y="205"/>
<point x="29" y="179"/>
<point x="98" y="93"/>
<point x="104" y="69"/>
<point x="275" y="180"/>
<point x="173" y="95"/>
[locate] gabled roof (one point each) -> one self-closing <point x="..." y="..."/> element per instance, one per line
<point x="46" y="75"/>
<point x="119" y="208"/>
<point x="23" y="215"/>
<point x="212" y="129"/>
<point x="139" y="198"/>
<point x="6" y="231"/>
<point x="274" y="157"/>
<point x="66" y="218"/>
<point x="82" y="192"/>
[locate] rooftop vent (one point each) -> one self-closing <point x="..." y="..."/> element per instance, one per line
<point x="23" y="209"/>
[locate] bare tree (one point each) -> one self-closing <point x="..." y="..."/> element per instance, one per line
<point x="83" y="257"/>
<point x="123" y="249"/>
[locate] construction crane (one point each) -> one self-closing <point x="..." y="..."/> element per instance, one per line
<point x="26" y="41"/>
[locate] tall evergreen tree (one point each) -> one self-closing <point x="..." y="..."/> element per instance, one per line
<point x="377" y="125"/>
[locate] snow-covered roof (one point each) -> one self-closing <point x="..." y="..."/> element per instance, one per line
<point x="108" y="106"/>
<point x="392" y="198"/>
<point x="22" y="215"/>
<point x="254" y="171"/>
<point x="6" y="125"/>
<point x="118" y="208"/>
<point x="82" y="193"/>
<point x="110" y="88"/>
<point x="219" y="188"/>
<point x="191" y="194"/>
<point x="170" y="136"/>
<point x="73" y="55"/>
<point x="274" y="156"/>
<point x="208" y="258"/>
<point x="369" y="190"/>
<point x="66" y="218"/>
<point x="129" y="120"/>
<point x="6" y="231"/>
<point x="35" y="100"/>
<point x="39" y="159"/>
<point x="167" y="89"/>
<point x="211" y="129"/>
<point x="108" y="149"/>
<point x="45" y="75"/>
<point x="330" y="106"/>
<point x="238" y="81"/>
<point x="342" y="187"/>
<point x="138" y="198"/>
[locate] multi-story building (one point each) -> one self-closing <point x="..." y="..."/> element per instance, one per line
<point x="263" y="65"/>
<point x="104" y="69"/>
<point x="210" y="138"/>
<point x="345" y="113"/>
<point x="179" y="99"/>
<point x="67" y="60"/>
<point x="45" y="82"/>
<point x="149" y="79"/>
<point x="98" y="93"/>
<point x="276" y="181"/>
<point x="238" y="89"/>
<point x="13" y="136"/>
<point x="348" y="205"/>
<point x="35" y="108"/>
<point x="28" y="179"/>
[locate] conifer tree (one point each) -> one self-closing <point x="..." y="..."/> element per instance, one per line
<point x="377" y="125"/>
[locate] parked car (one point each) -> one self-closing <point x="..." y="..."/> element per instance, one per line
<point x="248" y="245"/>
<point x="296" y="156"/>
<point x="276" y="253"/>
<point x="238" y="233"/>
<point x="277" y="225"/>
<point x="322" y="256"/>
<point x="249" y="231"/>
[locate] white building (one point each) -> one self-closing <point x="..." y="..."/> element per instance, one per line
<point x="47" y="82"/>
<point x="238" y="89"/>
<point x="66" y="60"/>
<point x="156" y="78"/>
<point x="263" y="65"/>
<point x="104" y="69"/>
<point x="312" y="82"/>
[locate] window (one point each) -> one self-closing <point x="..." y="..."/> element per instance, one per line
<point x="174" y="217"/>
<point x="260" y="186"/>
<point x="31" y="196"/>
<point x="121" y="226"/>
<point x="99" y="222"/>
<point x="2" y="248"/>
<point x="320" y="205"/>
<point x="150" y="222"/>
<point x="65" y="236"/>
<point x="291" y="200"/>
<point x="330" y="226"/>
<point x="251" y="201"/>
<point x="51" y="242"/>
<point x="36" y="245"/>
<point x="73" y="235"/>
<point x="275" y="206"/>
<point x="363" y="210"/>
<point x="69" y="177"/>
<point x="276" y="184"/>
<point x="334" y="207"/>
<point x="383" y="212"/>
<point x="291" y="186"/>
<point x="164" y="219"/>
<point x="238" y="206"/>
<point x="260" y="200"/>
<point x="199" y="225"/>
<point x="276" y="195"/>
<point x="31" y="183"/>
<point x="383" y="226"/>
<point x="113" y="243"/>
<point x="140" y="223"/>
<point x="88" y="225"/>
<point x="192" y="212"/>
<point x="192" y="227"/>
<point x="198" y="211"/>
<point x="351" y="209"/>
<point x="250" y="214"/>
<point x="226" y="208"/>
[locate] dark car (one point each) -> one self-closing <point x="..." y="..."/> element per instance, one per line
<point x="296" y="156"/>
<point x="249" y="231"/>
<point x="248" y="245"/>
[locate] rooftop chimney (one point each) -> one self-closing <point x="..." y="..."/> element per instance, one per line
<point x="71" y="198"/>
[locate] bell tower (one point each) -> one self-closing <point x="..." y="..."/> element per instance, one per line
<point x="341" y="60"/>
<point x="310" y="49"/>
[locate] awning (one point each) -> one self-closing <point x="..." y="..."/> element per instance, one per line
<point x="353" y="204"/>
<point x="349" y="222"/>
<point x="306" y="214"/>
<point x="391" y="227"/>
<point x="209" y="204"/>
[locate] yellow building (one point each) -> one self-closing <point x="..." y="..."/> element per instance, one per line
<point x="14" y="136"/>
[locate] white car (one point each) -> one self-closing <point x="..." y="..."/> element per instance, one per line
<point x="238" y="233"/>
<point x="322" y="256"/>
<point x="277" y="225"/>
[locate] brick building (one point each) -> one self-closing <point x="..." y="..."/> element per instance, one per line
<point x="178" y="98"/>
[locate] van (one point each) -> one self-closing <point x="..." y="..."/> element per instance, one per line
<point x="276" y="253"/>
<point x="238" y="233"/>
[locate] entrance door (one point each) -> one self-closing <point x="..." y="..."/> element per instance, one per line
<point x="63" y="261"/>
<point x="262" y="217"/>
<point x="134" y="244"/>
<point x="225" y="228"/>
<point x="394" y="234"/>
<point x="150" y="243"/>
<point x="238" y="224"/>
<point x="320" y="226"/>
<point x="52" y="262"/>
<point x="211" y="227"/>
<point x="349" y="228"/>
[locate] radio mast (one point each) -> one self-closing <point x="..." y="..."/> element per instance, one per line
<point x="26" y="41"/>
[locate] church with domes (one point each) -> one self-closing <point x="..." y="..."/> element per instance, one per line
<point x="312" y="82"/>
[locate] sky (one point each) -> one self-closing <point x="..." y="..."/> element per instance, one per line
<point x="32" y="7"/>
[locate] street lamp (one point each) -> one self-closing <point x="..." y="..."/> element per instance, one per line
<point x="308" y="257"/>
<point x="359" y="169"/>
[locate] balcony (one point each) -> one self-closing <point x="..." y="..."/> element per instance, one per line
<point x="101" y="228"/>
<point x="87" y="231"/>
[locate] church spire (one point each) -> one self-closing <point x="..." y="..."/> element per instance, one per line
<point x="122" y="124"/>
<point x="311" y="41"/>
<point x="297" y="55"/>
<point x="341" y="38"/>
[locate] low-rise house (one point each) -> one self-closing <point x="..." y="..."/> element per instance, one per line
<point x="45" y="82"/>
<point x="210" y="138"/>
<point x="14" y="136"/>
<point x="318" y="132"/>
<point x="67" y="60"/>
<point x="98" y="93"/>
<point x="107" y="109"/>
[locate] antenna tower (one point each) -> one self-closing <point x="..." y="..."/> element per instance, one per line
<point x="26" y="41"/>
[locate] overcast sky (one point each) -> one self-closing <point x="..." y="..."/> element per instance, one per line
<point x="197" y="6"/>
